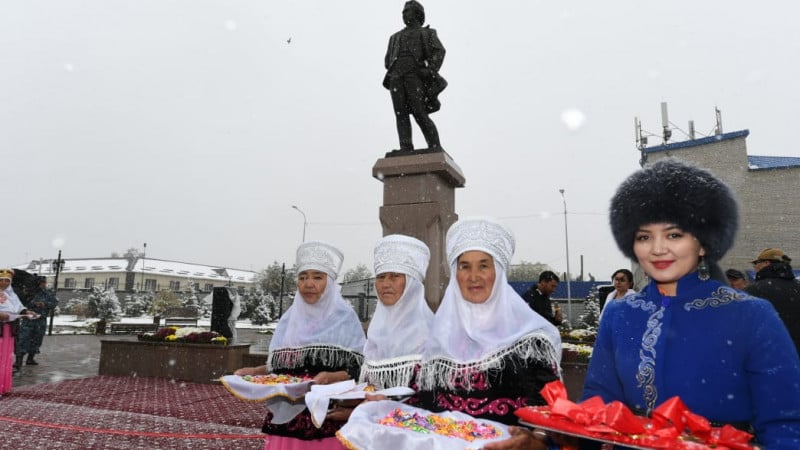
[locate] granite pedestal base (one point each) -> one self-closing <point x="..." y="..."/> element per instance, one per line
<point x="199" y="363"/>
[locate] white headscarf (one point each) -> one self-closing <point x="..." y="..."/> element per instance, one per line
<point x="468" y="337"/>
<point x="320" y="330"/>
<point x="397" y="333"/>
<point x="9" y="302"/>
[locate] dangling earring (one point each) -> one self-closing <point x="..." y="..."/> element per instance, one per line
<point x="702" y="269"/>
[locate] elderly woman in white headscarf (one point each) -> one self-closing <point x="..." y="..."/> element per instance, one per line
<point x="402" y="320"/>
<point x="488" y="352"/>
<point x="10" y="307"/>
<point x="319" y="335"/>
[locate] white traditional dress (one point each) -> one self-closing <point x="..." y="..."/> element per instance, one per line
<point x="11" y="304"/>
<point x="487" y="359"/>
<point x="311" y="338"/>
<point x="397" y="334"/>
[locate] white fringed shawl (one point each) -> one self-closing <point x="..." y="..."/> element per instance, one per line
<point x="468" y="337"/>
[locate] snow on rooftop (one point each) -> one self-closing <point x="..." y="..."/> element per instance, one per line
<point x="155" y="266"/>
<point x="196" y="271"/>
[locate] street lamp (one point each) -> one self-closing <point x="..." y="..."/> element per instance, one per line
<point x="566" y="240"/>
<point x="283" y="278"/>
<point x="144" y="255"/>
<point x="57" y="265"/>
<point x="305" y="222"/>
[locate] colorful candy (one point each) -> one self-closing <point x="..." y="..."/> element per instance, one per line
<point x="469" y="430"/>
<point x="274" y="378"/>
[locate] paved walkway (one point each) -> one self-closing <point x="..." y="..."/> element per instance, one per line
<point x="67" y="357"/>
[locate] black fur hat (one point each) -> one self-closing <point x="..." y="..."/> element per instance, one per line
<point x="674" y="192"/>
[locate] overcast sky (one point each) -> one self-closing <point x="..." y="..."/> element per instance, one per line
<point x="194" y="125"/>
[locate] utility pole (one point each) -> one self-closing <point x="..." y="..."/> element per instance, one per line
<point x="283" y="277"/>
<point x="59" y="264"/>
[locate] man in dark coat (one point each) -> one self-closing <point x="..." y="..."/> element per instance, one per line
<point x="538" y="297"/>
<point x="775" y="281"/>
<point x="31" y="332"/>
<point x="412" y="61"/>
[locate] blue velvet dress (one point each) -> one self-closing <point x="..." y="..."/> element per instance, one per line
<point x="725" y="353"/>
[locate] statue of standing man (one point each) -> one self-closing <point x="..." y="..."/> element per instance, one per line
<point x="413" y="59"/>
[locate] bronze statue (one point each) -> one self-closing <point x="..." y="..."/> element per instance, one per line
<point x="412" y="62"/>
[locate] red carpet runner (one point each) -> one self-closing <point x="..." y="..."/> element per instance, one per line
<point x="128" y="413"/>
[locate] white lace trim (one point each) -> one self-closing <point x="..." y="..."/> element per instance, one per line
<point x="446" y="373"/>
<point x="325" y="355"/>
<point x="390" y="372"/>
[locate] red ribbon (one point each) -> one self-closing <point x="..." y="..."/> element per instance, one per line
<point x="672" y="426"/>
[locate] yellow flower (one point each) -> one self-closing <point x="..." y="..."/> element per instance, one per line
<point x="171" y="337"/>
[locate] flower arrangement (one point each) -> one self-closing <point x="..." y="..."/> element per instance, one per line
<point x="578" y="353"/>
<point x="189" y="335"/>
<point x="582" y="336"/>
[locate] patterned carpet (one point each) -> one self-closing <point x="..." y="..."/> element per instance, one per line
<point x="128" y="413"/>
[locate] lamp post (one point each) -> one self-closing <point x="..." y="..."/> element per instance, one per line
<point x="58" y="264"/>
<point x="566" y="240"/>
<point x="305" y="222"/>
<point x="144" y="256"/>
<point x="283" y="278"/>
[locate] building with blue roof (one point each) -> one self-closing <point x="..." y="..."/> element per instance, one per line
<point x="767" y="188"/>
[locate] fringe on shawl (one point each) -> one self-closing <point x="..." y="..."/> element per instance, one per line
<point x="325" y="355"/>
<point x="391" y="372"/>
<point x="440" y="372"/>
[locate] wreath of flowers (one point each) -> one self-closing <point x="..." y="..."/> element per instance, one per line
<point x="188" y="335"/>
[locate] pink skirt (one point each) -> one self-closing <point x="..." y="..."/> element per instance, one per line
<point x="287" y="443"/>
<point x="6" y="358"/>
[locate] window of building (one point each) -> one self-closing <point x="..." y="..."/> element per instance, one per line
<point x="88" y="283"/>
<point x="174" y="286"/>
<point x="196" y="286"/>
<point x="209" y="287"/>
<point x="150" y="284"/>
<point x="69" y="283"/>
<point x="113" y="283"/>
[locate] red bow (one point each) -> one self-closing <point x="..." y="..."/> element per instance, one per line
<point x="673" y="426"/>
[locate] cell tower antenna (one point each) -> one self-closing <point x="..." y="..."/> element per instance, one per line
<point x="718" y="128"/>
<point x="641" y="141"/>
<point x="691" y="129"/>
<point x="665" y="122"/>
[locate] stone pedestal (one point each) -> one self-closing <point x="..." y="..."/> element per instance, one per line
<point x="199" y="363"/>
<point x="419" y="201"/>
<point x="574" y="374"/>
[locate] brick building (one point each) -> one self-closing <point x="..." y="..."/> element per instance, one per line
<point x="767" y="188"/>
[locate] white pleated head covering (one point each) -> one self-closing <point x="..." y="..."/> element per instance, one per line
<point x="9" y="301"/>
<point x="315" y="255"/>
<point x="470" y="337"/>
<point x="397" y="333"/>
<point x="317" y="330"/>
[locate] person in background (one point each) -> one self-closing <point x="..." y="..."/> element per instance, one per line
<point x="623" y="286"/>
<point x="320" y="336"/>
<point x="726" y="354"/>
<point x="736" y="279"/>
<point x="10" y="307"/>
<point x="31" y="332"/>
<point x="775" y="282"/>
<point x="538" y="297"/>
<point x="488" y="353"/>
